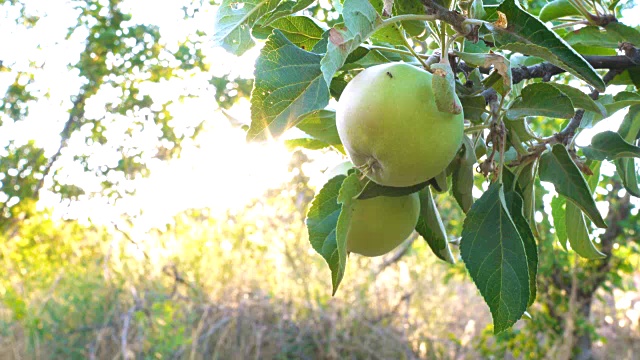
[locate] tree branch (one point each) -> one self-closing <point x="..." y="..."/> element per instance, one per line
<point x="547" y="70"/>
<point x="453" y="18"/>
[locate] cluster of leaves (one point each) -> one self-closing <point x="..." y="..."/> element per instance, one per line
<point x="119" y="56"/>
<point x="303" y="64"/>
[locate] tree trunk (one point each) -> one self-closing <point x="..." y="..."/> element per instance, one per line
<point x="582" y="346"/>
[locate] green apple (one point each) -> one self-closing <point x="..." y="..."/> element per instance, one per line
<point x="390" y="126"/>
<point x="378" y="225"/>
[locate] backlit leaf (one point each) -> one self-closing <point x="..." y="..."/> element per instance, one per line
<point x="494" y="254"/>
<point x="360" y="19"/>
<point x="557" y="167"/>
<point x="322" y="220"/>
<point x="288" y="84"/>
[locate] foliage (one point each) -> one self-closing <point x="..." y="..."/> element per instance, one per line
<point x="500" y="54"/>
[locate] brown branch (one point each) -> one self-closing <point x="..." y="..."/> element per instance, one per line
<point x="453" y="18"/>
<point x="546" y="70"/>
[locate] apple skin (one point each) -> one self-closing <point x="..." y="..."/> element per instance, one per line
<point x="378" y="225"/>
<point x="389" y="124"/>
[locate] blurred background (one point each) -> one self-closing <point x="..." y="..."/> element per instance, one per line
<point x="136" y="222"/>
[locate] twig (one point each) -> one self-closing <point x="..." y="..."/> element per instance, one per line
<point x="453" y="18"/>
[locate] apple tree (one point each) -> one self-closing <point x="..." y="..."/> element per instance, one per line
<point x="527" y="78"/>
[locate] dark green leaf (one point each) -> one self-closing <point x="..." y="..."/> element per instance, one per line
<point x="515" y="206"/>
<point x="322" y="221"/>
<point x="557" y="167"/>
<point x="430" y="227"/>
<point x="626" y="168"/>
<point x="559" y="215"/>
<point x="528" y="35"/>
<point x="494" y="254"/>
<point x="526" y="180"/>
<point x="360" y="19"/>
<point x="351" y="187"/>
<point x="579" y="99"/>
<point x="578" y="234"/>
<point x="610" y="145"/>
<point x="473" y="108"/>
<point x="541" y="99"/>
<point x="372" y="189"/>
<point x="233" y="23"/>
<point x="288" y="84"/>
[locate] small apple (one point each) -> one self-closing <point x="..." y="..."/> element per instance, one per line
<point x="378" y="225"/>
<point x="390" y="126"/>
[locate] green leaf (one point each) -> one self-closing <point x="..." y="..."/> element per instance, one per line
<point x="233" y="23"/>
<point x="322" y="220"/>
<point x="579" y="99"/>
<point x="288" y="84"/>
<point x="321" y="125"/>
<point x="515" y="206"/>
<point x="626" y="168"/>
<point x="286" y="8"/>
<point x="541" y="99"/>
<point x="630" y="126"/>
<point x="462" y="175"/>
<point x="528" y="35"/>
<point x="413" y="28"/>
<point x="526" y="180"/>
<point x="521" y="128"/>
<point x="590" y="118"/>
<point x="557" y="167"/>
<point x="351" y="187"/>
<point x="430" y="227"/>
<point x="473" y="107"/>
<point x="593" y="36"/>
<point x="594" y="179"/>
<point x="494" y="254"/>
<point x="360" y="19"/>
<point x="557" y="9"/>
<point x="610" y="145"/>
<point x="307" y="143"/>
<point x="578" y="234"/>
<point x="624" y="32"/>
<point x="444" y="88"/>
<point x="439" y="182"/>
<point x="372" y="189"/>
<point x="302" y="31"/>
<point x="621" y="101"/>
<point x="558" y="213"/>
